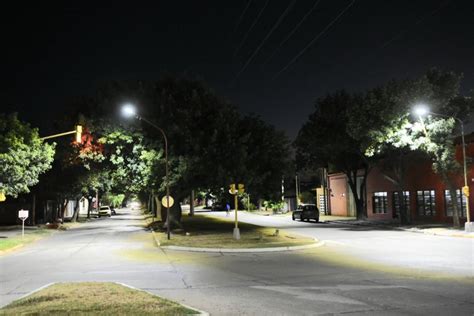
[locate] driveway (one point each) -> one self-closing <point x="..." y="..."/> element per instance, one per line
<point x="311" y="282"/>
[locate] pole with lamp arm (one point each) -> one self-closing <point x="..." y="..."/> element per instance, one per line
<point x="423" y="110"/>
<point x="129" y="110"/>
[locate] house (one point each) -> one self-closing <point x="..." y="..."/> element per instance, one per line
<point x="426" y="196"/>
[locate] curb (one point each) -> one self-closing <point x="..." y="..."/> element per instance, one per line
<point x="246" y="250"/>
<point x="198" y="311"/>
<point x="4" y="252"/>
<point x="410" y="230"/>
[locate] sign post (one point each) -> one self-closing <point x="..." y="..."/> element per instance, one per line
<point x="23" y="215"/>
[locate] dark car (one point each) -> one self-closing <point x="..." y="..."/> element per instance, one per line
<point x="306" y="212"/>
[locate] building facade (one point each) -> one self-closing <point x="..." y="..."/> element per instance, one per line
<point x="425" y="195"/>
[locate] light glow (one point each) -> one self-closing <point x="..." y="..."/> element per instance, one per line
<point x="421" y="110"/>
<point x="128" y="110"/>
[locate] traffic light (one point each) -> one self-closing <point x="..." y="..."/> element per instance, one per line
<point x="465" y="190"/>
<point x="2" y="196"/>
<point x="241" y="188"/>
<point x="232" y="189"/>
<point x="78" y="133"/>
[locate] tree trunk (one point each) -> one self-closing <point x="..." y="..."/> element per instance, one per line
<point x="361" y="209"/>
<point x="76" y="212"/>
<point x="63" y="209"/>
<point x="175" y="215"/>
<point x="191" y="204"/>
<point x="33" y="210"/>
<point x="454" y="202"/>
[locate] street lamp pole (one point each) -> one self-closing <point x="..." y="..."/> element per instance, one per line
<point x="129" y="110"/>
<point x="166" y="172"/>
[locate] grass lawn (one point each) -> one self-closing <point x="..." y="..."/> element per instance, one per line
<point x="93" y="298"/>
<point x="30" y="236"/>
<point x="209" y="232"/>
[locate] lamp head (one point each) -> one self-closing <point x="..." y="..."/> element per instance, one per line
<point x="129" y="110"/>
<point x="421" y="110"/>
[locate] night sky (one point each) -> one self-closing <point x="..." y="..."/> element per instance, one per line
<point x="273" y="58"/>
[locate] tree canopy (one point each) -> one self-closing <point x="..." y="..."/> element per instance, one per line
<point x="23" y="156"/>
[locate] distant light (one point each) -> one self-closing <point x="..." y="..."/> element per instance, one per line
<point x="421" y="110"/>
<point x="128" y="110"/>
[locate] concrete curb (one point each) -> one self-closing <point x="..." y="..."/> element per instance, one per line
<point x="198" y="311"/>
<point x="411" y="230"/>
<point x="4" y="252"/>
<point x="245" y="250"/>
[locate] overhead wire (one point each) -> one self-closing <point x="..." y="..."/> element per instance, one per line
<point x="242" y="15"/>
<point x="294" y="59"/>
<point x="250" y="29"/>
<point x="280" y="19"/>
<point x="293" y="31"/>
<point x="419" y="21"/>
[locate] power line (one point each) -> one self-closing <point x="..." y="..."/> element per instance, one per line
<point x="250" y="29"/>
<point x="293" y="31"/>
<point x="242" y="15"/>
<point x="419" y="21"/>
<point x="282" y="16"/>
<point x="292" y="61"/>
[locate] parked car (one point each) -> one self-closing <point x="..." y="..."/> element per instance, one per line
<point x="105" y="211"/>
<point x="306" y="212"/>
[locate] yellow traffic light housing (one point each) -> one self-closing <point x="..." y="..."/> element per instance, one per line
<point x="232" y="189"/>
<point x="2" y="196"/>
<point x="78" y="133"/>
<point x="465" y="190"/>
<point x="241" y="188"/>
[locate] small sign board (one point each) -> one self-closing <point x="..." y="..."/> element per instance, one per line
<point x="23" y="214"/>
<point x="164" y="201"/>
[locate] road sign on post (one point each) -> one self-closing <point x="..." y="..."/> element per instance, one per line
<point x="23" y="215"/>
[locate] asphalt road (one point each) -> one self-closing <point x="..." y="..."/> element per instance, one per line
<point x="369" y="272"/>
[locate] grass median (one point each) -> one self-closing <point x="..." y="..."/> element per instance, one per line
<point x="93" y="298"/>
<point x="15" y="241"/>
<point x="209" y="232"/>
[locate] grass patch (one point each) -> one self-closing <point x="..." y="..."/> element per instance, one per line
<point x="93" y="298"/>
<point x="30" y="236"/>
<point x="209" y="232"/>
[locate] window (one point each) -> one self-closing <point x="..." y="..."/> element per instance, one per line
<point x="461" y="202"/>
<point x="396" y="202"/>
<point x="380" y="202"/>
<point x="425" y="202"/>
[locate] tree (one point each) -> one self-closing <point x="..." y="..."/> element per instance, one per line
<point x="324" y="141"/>
<point x="23" y="156"/>
<point x="383" y="122"/>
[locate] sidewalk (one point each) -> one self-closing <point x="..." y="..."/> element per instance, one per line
<point x="438" y="229"/>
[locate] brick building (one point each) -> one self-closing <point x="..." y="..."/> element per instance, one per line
<point x="426" y="196"/>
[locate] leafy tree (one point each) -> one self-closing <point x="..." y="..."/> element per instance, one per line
<point x="325" y="141"/>
<point x="23" y="156"/>
<point x="384" y="120"/>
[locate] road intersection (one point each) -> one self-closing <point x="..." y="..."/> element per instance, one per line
<point x="358" y="271"/>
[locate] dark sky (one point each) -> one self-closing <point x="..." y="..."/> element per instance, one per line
<point x="54" y="53"/>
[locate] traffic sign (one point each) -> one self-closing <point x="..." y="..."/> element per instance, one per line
<point x="164" y="201"/>
<point x="23" y="214"/>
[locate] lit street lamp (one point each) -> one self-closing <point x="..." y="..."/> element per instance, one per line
<point x="422" y="110"/>
<point x="128" y="110"/>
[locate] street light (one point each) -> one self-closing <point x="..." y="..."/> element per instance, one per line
<point x="129" y="110"/>
<point x="422" y="110"/>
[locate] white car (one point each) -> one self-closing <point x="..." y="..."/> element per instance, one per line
<point x="105" y="211"/>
